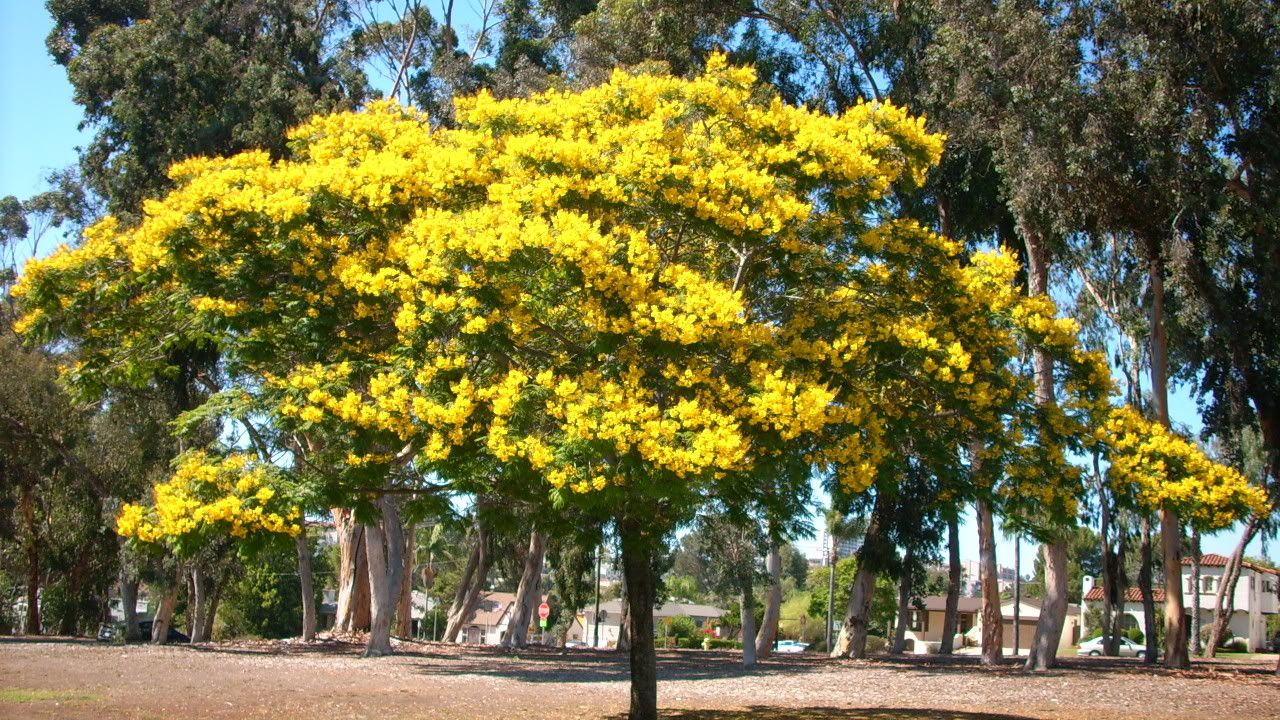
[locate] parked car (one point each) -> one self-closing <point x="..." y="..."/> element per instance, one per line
<point x="1128" y="648"/>
<point x="791" y="646"/>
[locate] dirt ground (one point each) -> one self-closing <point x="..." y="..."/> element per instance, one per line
<point x="85" y="680"/>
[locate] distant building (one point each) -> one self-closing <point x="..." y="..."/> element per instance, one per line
<point x="583" y="630"/>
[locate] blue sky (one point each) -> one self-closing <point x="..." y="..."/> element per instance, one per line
<point x="38" y="133"/>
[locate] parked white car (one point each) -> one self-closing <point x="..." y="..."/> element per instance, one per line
<point x="791" y="646"/>
<point x="1128" y="648"/>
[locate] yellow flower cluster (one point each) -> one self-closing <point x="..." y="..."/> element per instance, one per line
<point x="232" y="494"/>
<point x="1161" y="470"/>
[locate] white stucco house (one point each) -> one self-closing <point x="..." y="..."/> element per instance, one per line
<point x="1255" y="598"/>
<point x="583" y="630"/>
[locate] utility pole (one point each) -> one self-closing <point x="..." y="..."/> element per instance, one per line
<point x="595" y="639"/>
<point x="831" y="587"/>
<point x="1017" y="593"/>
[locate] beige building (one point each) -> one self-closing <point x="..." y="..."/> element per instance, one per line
<point x="924" y="629"/>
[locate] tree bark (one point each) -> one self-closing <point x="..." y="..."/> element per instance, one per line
<point x="773" y="602"/>
<point x="1043" y="653"/>
<point x="637" y="570"/>
<point x="129" y="604"/>
<point x="404" y="608"/>
<point x="353" y="574"/>
<point x="164" y="613"/>
<point x="307" y="589"/>
<point x="904" y="607"/>
<point x="201" y="591"/>
<point x="992" y="622"/>
<point x="32" y="624"/>
<point x="1148" y="600"/>
<point x="747" y="618"/>
<point x="852" y="641"/>
<point x="211" y="613"/>
<point x="382" y="601"/>
<point x="1225" y="600"/>
<point x="1175" y="617"/>
<point x="468" y="594"/>
<point x="1196" y="646"/>
<point x="528" y="593"/>
<point x="949" y="620"/>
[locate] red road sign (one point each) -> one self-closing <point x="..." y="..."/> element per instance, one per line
<point x="544" y="611"/>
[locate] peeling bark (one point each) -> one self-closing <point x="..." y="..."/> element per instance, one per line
<point x="1148" y="600"/>
<point x="404" y="608"/>
<point x="1053" y="613"/>
<point x="353" y="574"/>
<point x="164" y="614"/>
<point x="1225" y="600"/>
<point x="773" y="603"/>
<point x="470" y="586"/>
<point x="852" y="641"/>
<point x="528" y="593"/>
<point x="992" y="622"/>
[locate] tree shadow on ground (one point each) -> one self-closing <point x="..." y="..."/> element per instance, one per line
<point x="758" y="712"/>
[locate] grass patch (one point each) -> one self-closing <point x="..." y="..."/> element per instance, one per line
<point x="27" y="695"/>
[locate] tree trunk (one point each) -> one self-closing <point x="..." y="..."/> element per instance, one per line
<point x="773" y="602"/>
<point x="32" y="625"/>
<point x="1148" y="600"/>
<point x="353" y="574"/>
<point x="164" y="613"/>
<point x="384" y="547"/>
<point x="637" y="570"/>
<point x="904" y="607"/>
<point x="747" y="618"/>
<point x="1043" y="653"/>
<point x="1196" y="646"/>
<point x="852" y="641"/>
<point x="1112" y="592"/>
<point x="129" y="604"/>
<point x="528" y="593"/>
<point x="467" y="596"/>
<point x="949" y="622"/>
<point x="211" y="613"/>
<point x="200" y="592"/>
<point x="404" y="608"/>
<point x="307" y="589"/>
<point x="69" y="623"/>
<point x="1175" y="617"/>
<point x="624" y="624"/>
<point x="1225" y="600"/>
<point x="992" y="622"/>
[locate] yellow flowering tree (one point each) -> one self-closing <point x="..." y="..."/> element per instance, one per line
<point x="1152" y="468"/>
<point x="628" y="299"/>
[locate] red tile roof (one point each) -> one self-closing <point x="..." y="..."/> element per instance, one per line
<point x="1133" y="595"/>
<point x="1216" y="560"/>
<point x="1209" y="560"/>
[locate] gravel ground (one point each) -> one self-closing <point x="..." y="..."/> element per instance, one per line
<point x="77" y="679"/>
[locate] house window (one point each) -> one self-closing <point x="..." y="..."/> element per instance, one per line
<point x="919" y="621"/>
<point x="1191" y="584"/>
<point x="1208" y="584"/>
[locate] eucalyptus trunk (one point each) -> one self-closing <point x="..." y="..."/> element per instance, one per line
<point x="353" y="573"/>
<point x="305" y="581"/>
<point x="404" y="608"/>
<point x="1053" y="612"/>
<point x="747" y="617"/>
<point x="949" y="619"/>
<point x="129" y="604"/>
<point x="1225" y="600"/>
<point x="528" y="593"/>
<point x="1196" y="647"/>
<point x="852" y="641"/>
<point x="384" y="548"/>
<point x="992" y="622"/>
<point x="773" y="602"/>
<point x="163" y="617"/>
<point x="201" y="591"/>
<point x="904" y="609"/>
<point x="1148" y="599"/>
<point x="468" y="594"/>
